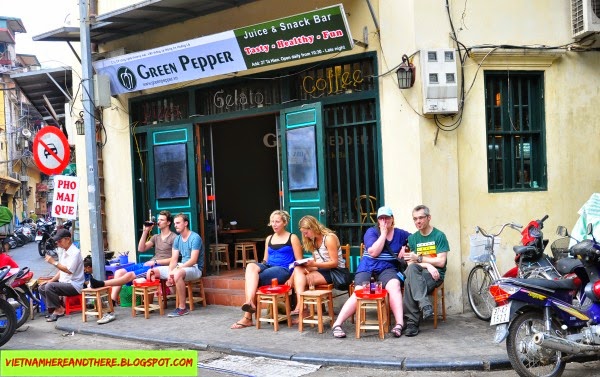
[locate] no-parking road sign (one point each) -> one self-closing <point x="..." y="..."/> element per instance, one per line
<point x="51" y="151"/>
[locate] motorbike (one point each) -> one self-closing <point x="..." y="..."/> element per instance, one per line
<point x="547" y="323"/>
<point x="8" y="318"/>
<point x="45" y="230"/>
<point x="46" y="243"/>
<point x="530" y="256"/>
<point x="15" y="290"/>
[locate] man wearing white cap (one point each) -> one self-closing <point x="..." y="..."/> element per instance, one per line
<point x="383" y="245"/>
<point x="426" y="268"/>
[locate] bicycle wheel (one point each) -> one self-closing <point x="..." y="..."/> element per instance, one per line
<point x="8" y="321"/>
<point x="480" y="299"/>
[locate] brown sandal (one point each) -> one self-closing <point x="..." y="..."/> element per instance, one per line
<point x="397" y="330"/>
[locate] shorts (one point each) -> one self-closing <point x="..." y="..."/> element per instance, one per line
<point x="138" y="269"/>
<point x="191" y="273"/>
<point x="326" y="273"/>
<point x="267" y="273"/>
<point x="384" y="277"/>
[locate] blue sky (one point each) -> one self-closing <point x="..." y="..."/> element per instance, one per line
<point x="39" y="17"/>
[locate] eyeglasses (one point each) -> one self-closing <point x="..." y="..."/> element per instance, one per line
<point x="420" y="218"/>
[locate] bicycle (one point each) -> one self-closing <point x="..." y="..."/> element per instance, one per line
<point x="531" y="262"/>
<point x="484" y="273"/>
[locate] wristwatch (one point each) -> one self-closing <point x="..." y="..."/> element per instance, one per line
<point x="419" y="259"/>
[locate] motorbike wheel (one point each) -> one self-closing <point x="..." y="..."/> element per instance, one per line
<point x="42" y="247"/>
<point x="8" y="321"/>
<point x="23" y="311"/>
<point x="526" y="358"/>
<point x="480" y="299"/>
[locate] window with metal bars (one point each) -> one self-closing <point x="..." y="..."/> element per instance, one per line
<point x="514" y="111"/>
<point x="352" y="164"/>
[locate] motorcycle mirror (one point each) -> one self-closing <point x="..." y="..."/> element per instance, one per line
<point x="590" y="229"/>
<point x="562" y="231"/>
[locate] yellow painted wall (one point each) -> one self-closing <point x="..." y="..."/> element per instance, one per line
<point x="444" y="170"/>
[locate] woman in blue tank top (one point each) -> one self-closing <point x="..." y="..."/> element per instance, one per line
<point x="281" y="249"/>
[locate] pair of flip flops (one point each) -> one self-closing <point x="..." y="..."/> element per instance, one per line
<point x="54" y="317"/>
<point x="248" y="308"/>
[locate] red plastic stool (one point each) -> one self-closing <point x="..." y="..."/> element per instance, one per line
<point x="72" y="304"/>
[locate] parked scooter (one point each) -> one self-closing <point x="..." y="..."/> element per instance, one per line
<point x="17" y="292"/>
<point x="45" y="230"/>
<point x="8" y="318"/>
<point x="547" y="323"/>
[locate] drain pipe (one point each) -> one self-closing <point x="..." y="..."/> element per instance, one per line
<point x="373" y="15"/>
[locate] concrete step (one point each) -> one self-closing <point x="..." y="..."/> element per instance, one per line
<point x="225" y="297"/>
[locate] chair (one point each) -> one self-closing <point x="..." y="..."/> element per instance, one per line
<point x="146" y="306"/>
<point x="95" y="294"/>
<point x="365" y="205"/>
<point x="215" y="251"/>
<point x="241" y="252"/>
<point x="329" y="287"/>
<point x="436" y="296"/>
<point x="352" y="285"/>
<point x="194" y="286"/>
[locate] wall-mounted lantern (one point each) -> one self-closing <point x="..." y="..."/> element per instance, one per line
<point x="79" y="124"/>
<point x="406" y="73"/>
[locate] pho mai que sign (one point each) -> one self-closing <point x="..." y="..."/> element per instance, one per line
<point x="315" y="33"/>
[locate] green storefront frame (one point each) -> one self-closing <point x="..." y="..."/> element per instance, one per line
<point x="351" y="121"/>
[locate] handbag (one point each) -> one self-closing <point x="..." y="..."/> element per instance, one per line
<point x="340" y="278"/>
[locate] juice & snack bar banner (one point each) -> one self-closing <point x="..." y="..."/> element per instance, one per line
<point x="315" y="33"/>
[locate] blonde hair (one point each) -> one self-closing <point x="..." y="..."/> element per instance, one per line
<point x="310" y="222"/>
<point x="283" y="214"/>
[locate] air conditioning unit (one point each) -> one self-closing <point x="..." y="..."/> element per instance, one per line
<point x="585" y="17"/>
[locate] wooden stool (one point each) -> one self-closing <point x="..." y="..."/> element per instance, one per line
<point x="271" y="301"/>
<point x="377" y="301"/>
<point x="96" y="294"/>
<point x="33" y="305"/>
<point x="215" y="251"/>
<point x="314" y="299"/>
<point x="144" y="290"/>
<point x="241" y="253"/>
<point x="193" y="286"/>
<point x="436" y="297"/>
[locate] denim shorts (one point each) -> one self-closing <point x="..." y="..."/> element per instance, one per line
<point x="326" y="273"/>
<point x="267" y="273"/>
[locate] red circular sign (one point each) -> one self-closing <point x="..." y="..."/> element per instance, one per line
<point x="51" y="151"/>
